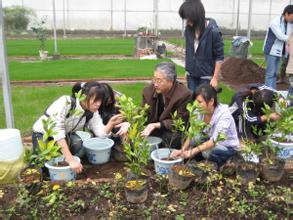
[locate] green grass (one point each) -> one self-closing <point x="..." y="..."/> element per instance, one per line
<point x="114" y="46"/>
<point x="83" y="69"/>
<point x="30" y="103"/>
<point x="255" y="50"/>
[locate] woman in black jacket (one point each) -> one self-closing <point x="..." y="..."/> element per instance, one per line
<point x="204" y="46"/>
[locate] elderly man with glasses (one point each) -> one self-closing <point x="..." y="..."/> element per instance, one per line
<point x="165" y="96"/>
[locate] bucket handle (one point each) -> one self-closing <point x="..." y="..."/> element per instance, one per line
<point x="5" y="173"/>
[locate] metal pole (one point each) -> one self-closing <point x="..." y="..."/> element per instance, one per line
<point x="4" y="75"/>
<point x="249" y="20"/>
<point x="111" y="25"/>
<point x="183" y="26"/>
<point x="233" y="14"/>
<point x="237" y="18"/>
<point x="270" y="11"/>
<point x="68" y="26"/>
<point x="64" y="22"/>
<point x="125" y="18"/>
<point x="54" y="29"/>
<point x="156" y="16"/>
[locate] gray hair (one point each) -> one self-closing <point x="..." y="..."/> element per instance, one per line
<point x="168" y="68"/>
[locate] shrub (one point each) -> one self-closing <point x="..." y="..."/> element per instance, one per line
<point x="17" y="18"/>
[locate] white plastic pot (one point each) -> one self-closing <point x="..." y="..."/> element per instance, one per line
<point x="43" y="54"/>
<point x="163" y="166"/>
<point x="154" y="143"/>
<point x="83" y="135"/>
<point x="98" y="150"/>
<point x="60" y="173"/>
<point x="286" y="148"/>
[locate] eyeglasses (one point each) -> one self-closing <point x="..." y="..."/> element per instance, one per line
<point x="157" y="80"/>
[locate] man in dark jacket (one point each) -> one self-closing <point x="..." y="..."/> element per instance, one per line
<point x="204" y="46"/>
<point x="165" y="96"/>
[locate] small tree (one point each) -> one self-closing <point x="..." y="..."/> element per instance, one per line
<point x="17" y="18"/>
<point x="47" y="147"/>
<point x="41" y="32"/>
<point x="136" y="147"/>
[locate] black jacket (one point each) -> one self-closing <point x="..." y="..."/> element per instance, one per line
<point x="210" y="50"/>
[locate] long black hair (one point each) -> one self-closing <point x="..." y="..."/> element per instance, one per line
<point x="194" y="11"/>
<point x="208" y="93"/>
<point x="90" y="89"/>
<point x="107" y="109"/>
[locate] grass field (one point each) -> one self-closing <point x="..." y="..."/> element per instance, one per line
<point x="30" y="103"/>
<point x="83" y="69"/>
<point x="116" y="46"/>
<point x="255" y="50"/>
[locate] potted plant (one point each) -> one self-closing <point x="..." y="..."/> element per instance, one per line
<point x="41" y="35"/>
<point x="136" y="149"/>
<point x="48" y="154"/>
<point x="248" y="169"/>
<point x="280" y="132"/>
<point x="272" y="163"/>
<point x="181" y="175"/>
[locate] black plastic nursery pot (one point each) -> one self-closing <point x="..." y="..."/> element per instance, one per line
<point x="273" y="172"/>
<point x="202" y="169"/>
<point x="248" y="171"/>
<point x="136" y="191"/>
<point x="180" y="176"/>
<point x="30" y="174"/>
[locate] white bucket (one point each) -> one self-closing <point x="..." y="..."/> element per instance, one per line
<point x="163" y="166"/>
<point x="154" y="143"/>
<point x="98" y="150"/>
<point x="286" y="148"/>
<point x="60" y="173"/>
<point x="11" y="147"/>
<point x="83" y="135"/>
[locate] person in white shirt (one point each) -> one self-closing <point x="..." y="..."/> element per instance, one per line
<point x="72" y="114"/>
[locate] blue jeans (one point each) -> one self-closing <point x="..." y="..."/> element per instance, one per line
<point x="272" y="70"/>
<point x="194" y="82"/>
<point x="290" y="90"/>
<point x="219" y="154"/>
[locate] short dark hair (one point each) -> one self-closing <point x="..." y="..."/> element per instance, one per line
<point x="194" y="11"/>
<point x="288" y="9"/>
<point x="208" y="93"/>
<point x="262" y="97"/>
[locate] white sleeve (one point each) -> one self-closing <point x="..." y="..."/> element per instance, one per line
<point x="276" y="29"/>
<point x="97" y="126"/>
<point x="58" y="111"/>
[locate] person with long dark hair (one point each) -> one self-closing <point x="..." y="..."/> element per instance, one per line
<point x="73" y="113"/>
<point x="220" y="122"/>
<point x="204" y="52"/>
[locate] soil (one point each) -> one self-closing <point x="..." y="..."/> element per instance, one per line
<point x="98" y="195"/>
<point x="237" y="73"/>
<point x="62" y="164"/>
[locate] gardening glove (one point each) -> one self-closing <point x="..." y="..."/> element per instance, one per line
<point x="123" y="128"/>
<point x="75" y="165"/>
